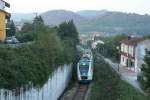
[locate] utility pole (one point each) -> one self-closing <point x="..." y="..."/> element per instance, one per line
<point x="35" y="25"/>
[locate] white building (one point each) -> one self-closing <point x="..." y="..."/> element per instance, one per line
<point x="133" y="52"/>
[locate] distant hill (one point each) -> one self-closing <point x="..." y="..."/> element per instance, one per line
<point x="118" y="22"/>
<point x="56" y="17"/>
<point x="89" y="21"/>
<point x="92" y="13"/>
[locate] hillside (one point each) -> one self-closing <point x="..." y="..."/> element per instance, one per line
<point x="89" y="21"/>
<point x="91" y="13"/>
<point x="56" y="17"/>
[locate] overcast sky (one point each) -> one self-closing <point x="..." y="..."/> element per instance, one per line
<point x="27" y="6"/>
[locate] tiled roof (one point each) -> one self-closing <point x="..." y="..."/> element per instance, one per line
<point x="8" y="15"/>
<point x="132" y="41"/>
<point x="4" y="11"/>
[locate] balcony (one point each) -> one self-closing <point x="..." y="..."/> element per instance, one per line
<point x="127" y="55"/>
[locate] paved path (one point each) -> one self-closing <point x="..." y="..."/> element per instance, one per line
<point x="127" y="75"/>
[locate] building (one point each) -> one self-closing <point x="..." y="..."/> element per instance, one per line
<point x="3" y="19"/>
<point x="133" y="52"/>
<point x="85" y="38"/>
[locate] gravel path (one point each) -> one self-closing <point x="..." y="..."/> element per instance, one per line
<point x="77" y="92"/>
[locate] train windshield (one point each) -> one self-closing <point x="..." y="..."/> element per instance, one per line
<point x="84" y="67"/>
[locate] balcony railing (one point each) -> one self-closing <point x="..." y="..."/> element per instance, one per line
<point x="127" y="55"/>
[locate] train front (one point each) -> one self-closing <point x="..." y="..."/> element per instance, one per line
<point x="84" y="71"/>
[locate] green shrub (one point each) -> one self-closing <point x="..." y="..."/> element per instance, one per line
<point x="107" y="84"/>
<point x="33" y="63"/>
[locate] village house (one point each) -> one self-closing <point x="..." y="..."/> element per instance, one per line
<point x="133" y="52"/>
<point x="4" y="16"/>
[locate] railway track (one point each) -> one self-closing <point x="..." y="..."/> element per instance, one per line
<point x="80" y="92"/>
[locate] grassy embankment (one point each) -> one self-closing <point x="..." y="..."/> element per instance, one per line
<point x="107" y="84"/>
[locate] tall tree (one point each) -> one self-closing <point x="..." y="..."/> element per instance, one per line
<point x="68" y="30"/>
<point x="38" y="20"/>
<point x="146" y="71"/>
<point x="27" y="27"/>
<point x="29" y="30"/>
<point x="11" y="28"/>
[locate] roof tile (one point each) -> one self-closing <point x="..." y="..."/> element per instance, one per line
<point x="133" y="41"/>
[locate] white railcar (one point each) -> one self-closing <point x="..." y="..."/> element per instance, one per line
<point x="85" y="68"/>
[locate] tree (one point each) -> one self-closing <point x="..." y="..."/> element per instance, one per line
<point x="12" y="29"/>
<point x="68" y="30"/>
<point x="146" y="71"/>
<point x="149" y="36"/>
<point x="34" y="63"/>
<point x="110" y="48"/>
<point x="27" y="27"/>
<point x="38" y="20"/>
<point x="29" y="30"/>
<point x="26" y="33"/>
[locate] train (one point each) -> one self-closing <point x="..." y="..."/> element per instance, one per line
<point x="85" y="67"/>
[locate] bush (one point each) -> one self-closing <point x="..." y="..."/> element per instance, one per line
<point x="25" y="37"/>
<point x="146" y="72"/>
<point x="33" y="63"/>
